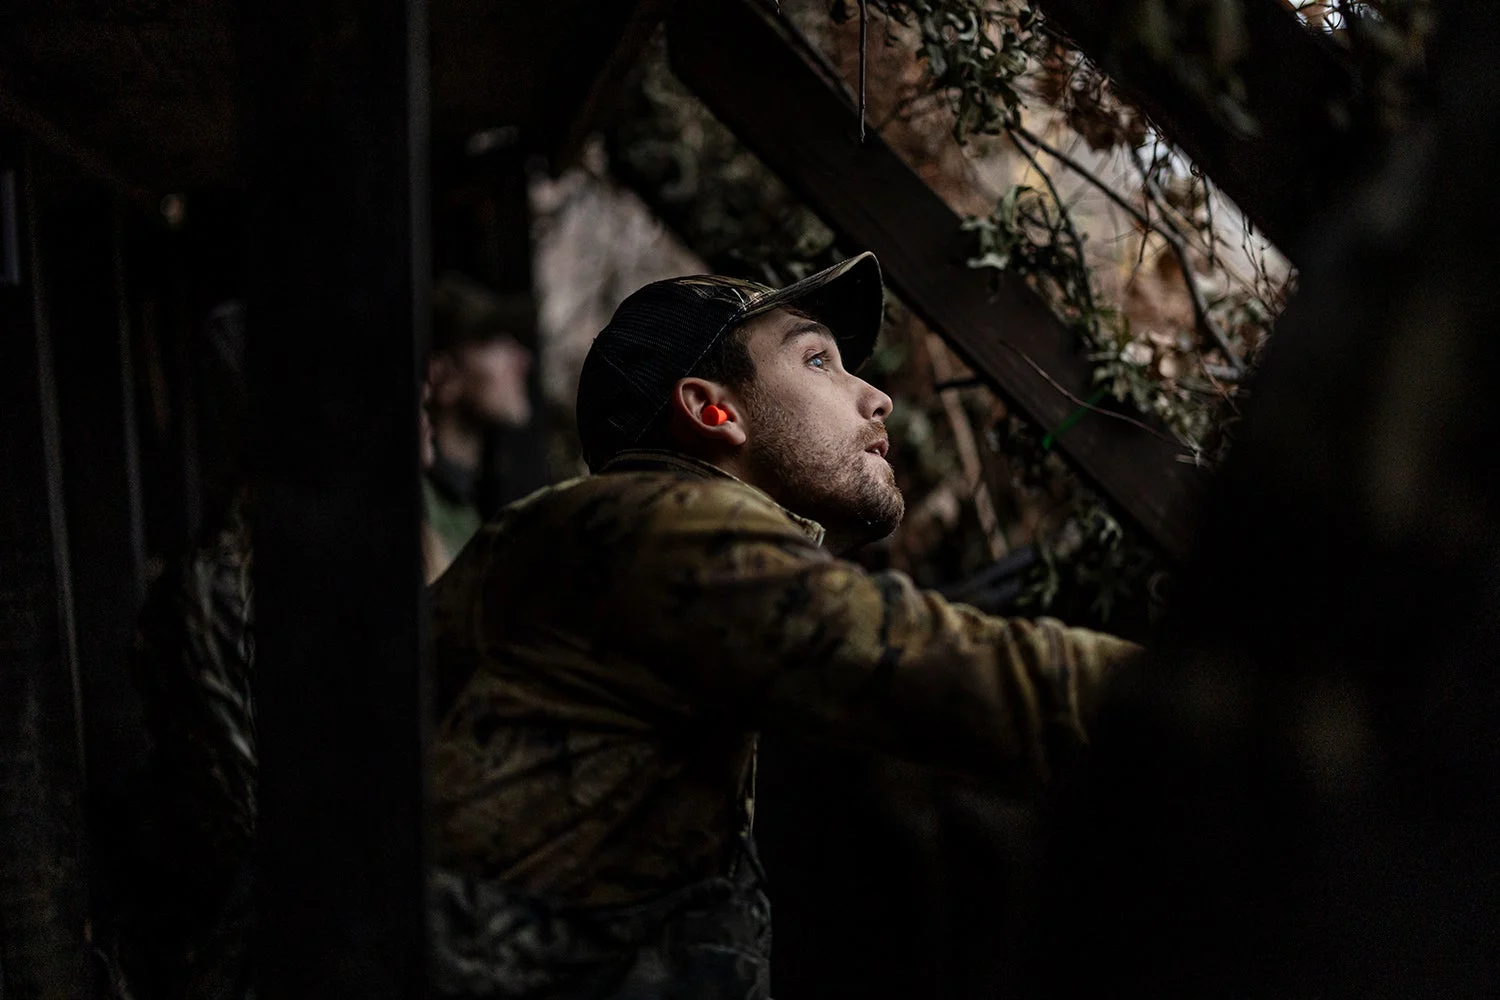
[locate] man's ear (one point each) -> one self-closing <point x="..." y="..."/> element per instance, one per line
<point x="693" y="396"/>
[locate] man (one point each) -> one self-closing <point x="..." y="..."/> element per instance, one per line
<point x="609" y="648"/>
<point x="477" y="378"/>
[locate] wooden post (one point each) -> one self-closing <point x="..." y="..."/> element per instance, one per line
<point x="44" y="940"/>
<point x="80" y="267"/>
<point x="337" y="310"/>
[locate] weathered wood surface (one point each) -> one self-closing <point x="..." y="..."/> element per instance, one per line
<point x="44" y="947"/>
<point x="148" y="98"/>
<point x="336" y="318"/>
<point x="748" y="69"/>
<point x="79" y="263"/>
<point x="145" y="95"/>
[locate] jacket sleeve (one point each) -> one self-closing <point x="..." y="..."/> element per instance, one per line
<point x="755" y="624"/>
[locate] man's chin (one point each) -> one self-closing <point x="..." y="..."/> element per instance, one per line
<point x="868" y="521"/>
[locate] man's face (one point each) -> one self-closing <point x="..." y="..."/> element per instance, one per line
<point x="816" y="438"/>
<point x="487" y="380"/>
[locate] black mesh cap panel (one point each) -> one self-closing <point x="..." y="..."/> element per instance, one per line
<point x="660" y="333"/>
<point x="654" y="339"/>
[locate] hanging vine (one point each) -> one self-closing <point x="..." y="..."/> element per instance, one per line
<point x="999" y="69"/>
<point x="996" y="65"/>
<point x="991" y="60"/>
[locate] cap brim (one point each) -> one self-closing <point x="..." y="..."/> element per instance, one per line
<point x="848" y="298"/>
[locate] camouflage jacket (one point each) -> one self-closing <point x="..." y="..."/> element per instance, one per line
<point x="186" y="914"/>
<point x="614" y="644"/>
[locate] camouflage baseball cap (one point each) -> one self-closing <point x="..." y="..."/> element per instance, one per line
<point x="662" y="331"/>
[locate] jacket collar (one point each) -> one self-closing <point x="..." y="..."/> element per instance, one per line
<point x="653" y="460"/>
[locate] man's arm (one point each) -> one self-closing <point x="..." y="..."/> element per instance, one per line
<point x="753" y="622"/>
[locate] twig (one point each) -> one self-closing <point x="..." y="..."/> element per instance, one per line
<point x="1209" y="246"/>
<point x="1063" y="390"/>
<point x="1173" y="238"/>
<point x="1222" y="373"/>
<point x="1066" y="219"/>
<point x="1084" y="172"/>
<point x="1218" y="384"/>
<point x="1140" y="257"/>
<point x="1208" y="210"/>
<point x="968" y="456"/>
<point x="1200" y="306"/>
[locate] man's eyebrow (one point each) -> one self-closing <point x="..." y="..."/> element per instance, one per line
<point x="806" y="326"/>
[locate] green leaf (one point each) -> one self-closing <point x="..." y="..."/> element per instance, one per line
<point x="998" y="261"/>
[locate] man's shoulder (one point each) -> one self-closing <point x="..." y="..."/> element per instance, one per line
<point x="600" y="526"/>
<point x="655" y="500"/>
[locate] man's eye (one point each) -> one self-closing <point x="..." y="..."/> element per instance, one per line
<point x="819" y="360"/>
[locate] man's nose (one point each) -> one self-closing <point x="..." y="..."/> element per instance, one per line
<point x="873" y="404"/>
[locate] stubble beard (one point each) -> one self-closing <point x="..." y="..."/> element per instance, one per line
<point x="829" y="481"/>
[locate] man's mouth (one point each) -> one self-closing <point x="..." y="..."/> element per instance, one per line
<point x="880" y="447"/>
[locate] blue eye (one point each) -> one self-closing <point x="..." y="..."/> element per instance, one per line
<point x="820" y="359"/>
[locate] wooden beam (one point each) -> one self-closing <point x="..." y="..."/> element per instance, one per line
<point x="18" y="115"/>
<point x="145" y="101"/>
<point x="755" y="74"/>
<point x="630" y="41"/>
<point x="149" y="102"/>
<point x="337" y="313"/>
<point x="1283" y="171"/>
<point x="44" y="944"/>
<point x="544" y="69"/>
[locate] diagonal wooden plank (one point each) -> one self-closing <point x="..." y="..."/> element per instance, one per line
<point x="754" y="73"/>
<point x="1281" y="171"/>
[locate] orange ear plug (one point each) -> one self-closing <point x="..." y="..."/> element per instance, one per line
<point x="713" y="416"/>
